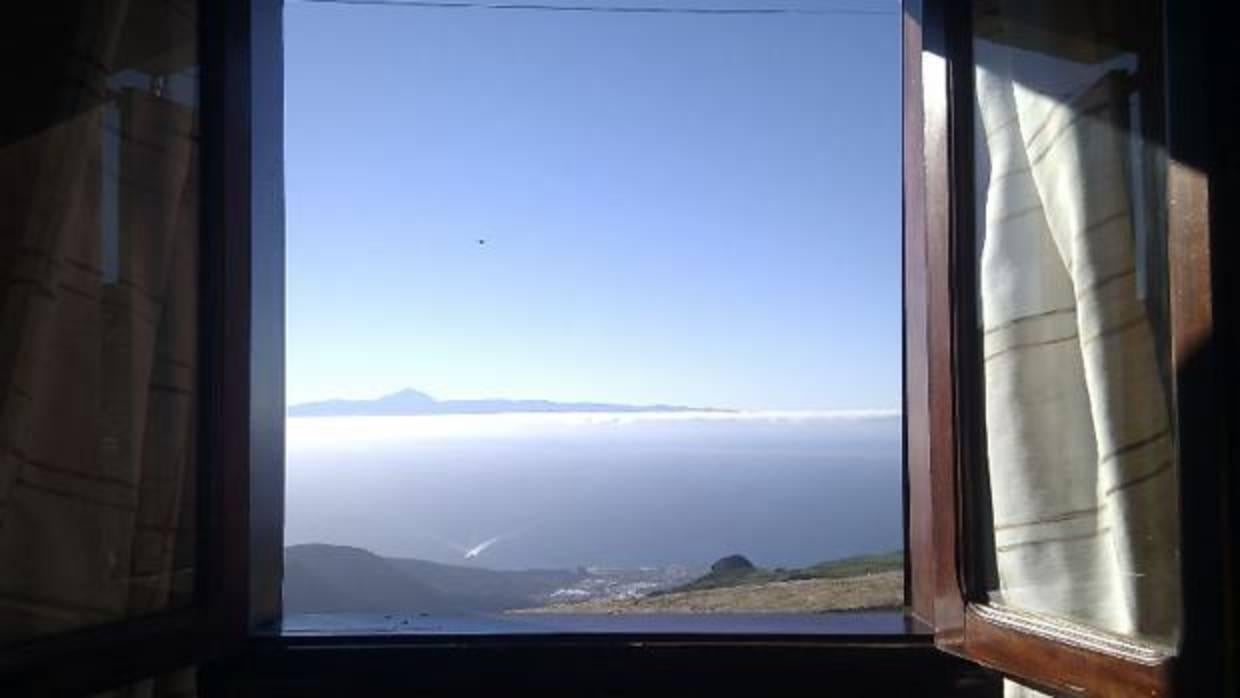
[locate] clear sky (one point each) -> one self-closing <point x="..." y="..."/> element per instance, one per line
<point x="688" y="209"/>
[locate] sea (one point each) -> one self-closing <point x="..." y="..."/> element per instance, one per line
<point x="599" y="490"/>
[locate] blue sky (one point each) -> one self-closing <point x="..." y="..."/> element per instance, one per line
<point x="687" y="209"/>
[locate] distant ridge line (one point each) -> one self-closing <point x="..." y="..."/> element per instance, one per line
<point x="413" y="402"/>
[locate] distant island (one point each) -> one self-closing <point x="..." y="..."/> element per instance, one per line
<point x="413" y="402"/>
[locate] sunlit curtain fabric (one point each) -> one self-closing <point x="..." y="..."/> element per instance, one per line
<point x="98" y="335"/>
<point x="1078" y="425"/>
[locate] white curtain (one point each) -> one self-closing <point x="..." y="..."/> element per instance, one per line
<point x="1080" y="440"/>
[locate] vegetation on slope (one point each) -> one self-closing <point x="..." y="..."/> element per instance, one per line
<point x="734" y="575"/>
<point x="867" y="591"/>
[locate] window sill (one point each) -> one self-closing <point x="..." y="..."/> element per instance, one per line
<point x="750" y="627"/>
<point x="853" y="653"/>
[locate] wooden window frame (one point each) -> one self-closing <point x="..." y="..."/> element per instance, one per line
<point x="231" y="630"/>
<point x="242" y="499"/>
<point x="314" y="664"/>
<point x="945" y="462"/>
<point x="642" y="662"/>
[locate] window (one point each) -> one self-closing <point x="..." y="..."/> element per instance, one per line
<point x="1151" y="110"/>
<point x="615" y="326"/>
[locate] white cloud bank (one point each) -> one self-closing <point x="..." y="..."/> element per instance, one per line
<point x="325" y="432"/>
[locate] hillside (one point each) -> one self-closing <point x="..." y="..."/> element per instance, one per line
<point x="734" y="585"/>
<point x="320" y="578"/>
<point x="484" y="589"/>
<point x="340" y="579"/>
<point x="732" y="576"/>
<point x="878" y="590"/>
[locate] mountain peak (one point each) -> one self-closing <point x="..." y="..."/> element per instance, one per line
<point x="409" y="395"/>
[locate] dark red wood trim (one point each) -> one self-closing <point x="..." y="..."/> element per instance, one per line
<point x="1058" y="666"/>
<point x="929" y="318"/>
<point x="936" y="593"/>
<point x="974" y="521"/>
<point x="918" y="518"/>
<point x="1199" y="152"/>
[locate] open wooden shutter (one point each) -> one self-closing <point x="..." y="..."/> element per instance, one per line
<point x="1066" y="479"/>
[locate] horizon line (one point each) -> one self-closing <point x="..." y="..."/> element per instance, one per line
<point x="704" y="413"/>
<point x="629" y="407"/>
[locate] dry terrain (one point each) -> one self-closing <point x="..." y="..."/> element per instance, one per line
<point x="876" y="590"/>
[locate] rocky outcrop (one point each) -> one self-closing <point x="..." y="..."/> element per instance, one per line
<point x="731" y="563"/>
